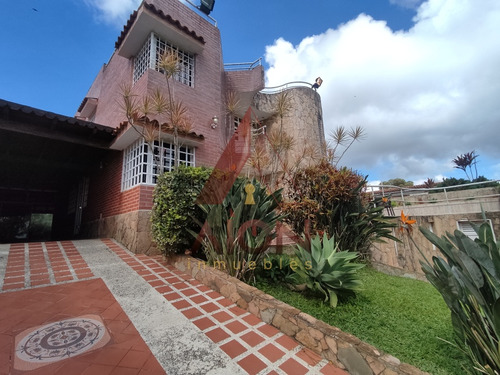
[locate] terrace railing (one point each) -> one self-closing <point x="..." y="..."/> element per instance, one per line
<point x="243" y="66"/>
<point x="286" y="86"/>
<point x="449" y="196"/>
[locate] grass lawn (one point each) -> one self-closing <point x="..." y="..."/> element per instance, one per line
<point x="402" y="317"/>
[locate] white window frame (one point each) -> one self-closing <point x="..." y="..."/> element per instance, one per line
<point x="465" y="227"/>
<point x="150" y="55"/>
<point x="139" y="167"/>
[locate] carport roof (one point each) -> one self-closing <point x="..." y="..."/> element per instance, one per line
<point x="19" y="118"/>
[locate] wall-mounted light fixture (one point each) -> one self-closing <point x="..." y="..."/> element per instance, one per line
<point x="207" y="6"/>
<point x="215" y="122"/>
<point x="317" y="83"/>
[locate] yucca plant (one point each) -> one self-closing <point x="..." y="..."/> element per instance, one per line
<point x="469" y="281"/>
<point x="238" y="232"/>
<point x="327" y="270"/>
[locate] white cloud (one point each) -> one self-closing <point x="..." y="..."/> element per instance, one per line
<point x="113" y="11"/>
<point x="423" y="96"/>
<point x="439" y="178"/>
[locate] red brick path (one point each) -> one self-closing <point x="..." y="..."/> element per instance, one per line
<point x="256" y="346"/>
<point x="125" y="354"/>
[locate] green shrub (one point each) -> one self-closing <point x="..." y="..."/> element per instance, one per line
<point x="277" y="269"/>
<point x="174" y="208"/>
<point x="469" y="282"/>
<point x="238" y="234"/>
<point x="327" y="270"/>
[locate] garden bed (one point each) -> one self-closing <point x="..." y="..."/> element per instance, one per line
<point x="343" y="349"/>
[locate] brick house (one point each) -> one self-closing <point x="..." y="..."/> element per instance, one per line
<point x="112" y="195"/>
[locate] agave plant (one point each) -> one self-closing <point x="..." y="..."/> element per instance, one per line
<point x="327" y="270"/>
<point x="469" y="281"/>
<point x="238" y="231"/>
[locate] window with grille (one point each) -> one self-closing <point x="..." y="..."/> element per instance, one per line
<point x="150" y="56"/>
<point x="143" y="166"/>
<point x="143" y="60"/>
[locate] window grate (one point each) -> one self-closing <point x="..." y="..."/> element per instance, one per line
<point x="185" y="61"/>
<point x="141" y="166"/>
<point x="142" y="60"/>
<point x="150" y="56"/>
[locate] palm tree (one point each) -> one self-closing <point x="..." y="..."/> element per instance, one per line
<point x="466" y="161"/>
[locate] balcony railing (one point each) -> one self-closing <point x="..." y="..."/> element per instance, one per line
<point x="243" y="66"/>
<point x="449" y="196"/>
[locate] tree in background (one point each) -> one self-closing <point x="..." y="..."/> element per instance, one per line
<point x="468" y="163"/>
<point x="401" y="182"/>
<point x="452" y="181"/>
<point x="429" y="183"/>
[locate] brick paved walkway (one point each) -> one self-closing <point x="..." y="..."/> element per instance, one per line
<point x="36" y="276"/>
<point x="36" y="264"/>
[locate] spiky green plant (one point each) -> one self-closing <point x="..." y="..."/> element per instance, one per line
<point x="327" y="270"/>
<point x="237" y="233"/>
<point x="469" y="281"/>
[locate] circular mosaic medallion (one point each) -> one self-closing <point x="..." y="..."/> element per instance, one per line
<point x="61" y="340"/>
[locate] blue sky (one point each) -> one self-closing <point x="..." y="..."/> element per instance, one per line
<point x="421" y="77"/>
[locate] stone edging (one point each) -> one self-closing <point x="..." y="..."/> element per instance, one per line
<point x="342" y="349"/>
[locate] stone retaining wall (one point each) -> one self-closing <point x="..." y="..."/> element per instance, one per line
<point x="342" y="349"/>
<point x="132" y="229"/>
<point x="404" y="258"/>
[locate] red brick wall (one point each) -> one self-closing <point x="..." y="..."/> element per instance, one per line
<point x="245" y="80"/>
<point x="107" y="87"/>
<point x="203" y="101"/>
<point x="105" y="196"/>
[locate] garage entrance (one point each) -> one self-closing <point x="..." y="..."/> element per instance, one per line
<point x="45" y="161"/>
